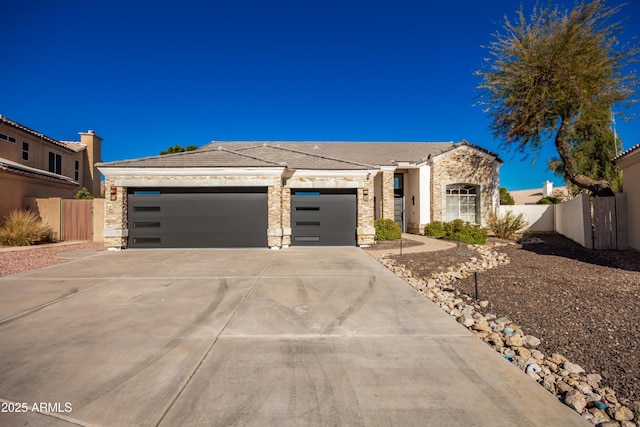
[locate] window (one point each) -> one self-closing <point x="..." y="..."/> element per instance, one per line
<point x="25" y="151"/>
<point x="7" y="138"/>
<point x="462" y="203"/>
<point x="55" y="163"/>
<point x="76" y="170"/>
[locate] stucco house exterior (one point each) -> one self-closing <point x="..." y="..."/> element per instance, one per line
<point x="629" y="163"/>
<point x="35" y="165"/>
<point x="278" y="194"/>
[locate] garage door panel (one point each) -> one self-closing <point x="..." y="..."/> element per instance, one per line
<point x="323" y="218"/>
<point x="198" y="218"/>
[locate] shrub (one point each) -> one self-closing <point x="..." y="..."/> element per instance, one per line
<point x="507" y="225"/>
<point x="457" y="230"/>
<point x="83" y="194"/>
<point x="24" y="228"/>
<point x="434" y="229"/>
<point x="387" y="229"/>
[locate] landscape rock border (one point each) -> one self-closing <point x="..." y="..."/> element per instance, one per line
<point x="569" y="382"/>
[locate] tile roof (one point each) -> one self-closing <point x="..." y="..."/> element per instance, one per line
<point x="298" y="155"/>
<point x="203" y="158"/>
<point x="369" y="153"/>
<point x="73" y="146"/>
<point x="19" y="169"/>
<point x="627" y="152"/>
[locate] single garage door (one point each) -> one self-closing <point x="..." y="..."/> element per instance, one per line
<point x="197" y="218"/>
<point x="323" y="217"/>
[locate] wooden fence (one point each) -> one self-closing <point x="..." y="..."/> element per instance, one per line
<point x="71" y="219"/>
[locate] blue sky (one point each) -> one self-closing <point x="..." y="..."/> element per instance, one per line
<point x="149" y="74"/>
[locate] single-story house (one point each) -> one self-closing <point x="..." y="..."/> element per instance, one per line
<point x="629" y="163"/>
<point x="276" y="194"/>
<point x="534" y="195"/>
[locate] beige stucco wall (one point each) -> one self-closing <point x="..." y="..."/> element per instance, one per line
<point x="15" y="188"/>
<point x="465" y="165"/>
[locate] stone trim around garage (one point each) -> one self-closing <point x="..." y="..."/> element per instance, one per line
<point x="279" y="202"/>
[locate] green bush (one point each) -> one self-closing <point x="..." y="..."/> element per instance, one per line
<point x="387" y="229"/>
<point x="507" y="225"/>
<point x="457" y="230"/>
<point x="434" y="229"/>
<point x="83" y="194"/>
<point x="24" y="228"/>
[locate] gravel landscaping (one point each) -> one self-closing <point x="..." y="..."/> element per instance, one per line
<point x="582" y="305"/>
<point x="27" y="258"/>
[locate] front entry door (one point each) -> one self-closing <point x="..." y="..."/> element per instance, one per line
<point x="398" y="199"/>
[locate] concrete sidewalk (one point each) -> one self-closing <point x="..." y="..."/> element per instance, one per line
<point x="426" y="244"/>
<point x="301" y="336"/>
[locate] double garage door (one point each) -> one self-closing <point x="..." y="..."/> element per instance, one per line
<point x="198" y="218"/>
<point x="236" y="217"/>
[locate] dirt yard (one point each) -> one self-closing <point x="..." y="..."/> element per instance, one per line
<point x="581" y="303"/>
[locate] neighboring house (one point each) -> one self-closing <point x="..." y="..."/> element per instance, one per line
<point x="629" y="163"/>
<point x="533" y="196"/>
<point x="35" y="165"/>
<point x="276" y="194"/>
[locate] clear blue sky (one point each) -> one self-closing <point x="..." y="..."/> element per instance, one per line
<point x="148" y="74"/>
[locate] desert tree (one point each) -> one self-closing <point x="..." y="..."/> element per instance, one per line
<point x="593" y="145"/>
<point x="550" y="73"/>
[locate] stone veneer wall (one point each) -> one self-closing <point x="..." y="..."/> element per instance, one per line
<point x="387" y="195"/>
<point x="115" y="216"/>
<point x="464" y="165"/>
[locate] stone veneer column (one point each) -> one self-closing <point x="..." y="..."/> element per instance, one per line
<point x="366" y="210"/>
<point x="274" y="202"/>
<point x="387" y="195"/>
<point x="286" y="217"/>
<point x="115" y="216"/>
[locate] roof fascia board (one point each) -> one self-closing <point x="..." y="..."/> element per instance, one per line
<point x="308" y="173"/>
<point x="109" y="172"/>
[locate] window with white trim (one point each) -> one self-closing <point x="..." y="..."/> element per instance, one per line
<point x="462" y="203"/>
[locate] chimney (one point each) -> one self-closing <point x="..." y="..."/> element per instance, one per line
<point x="547" y="189"/>
<point x="94" y="155"/>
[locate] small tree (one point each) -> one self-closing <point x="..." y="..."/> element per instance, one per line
<point x="83" y="194"/>
<point x="178" y="149"/>
<point x="505" y="197"/>
<point x="551" y="74"/>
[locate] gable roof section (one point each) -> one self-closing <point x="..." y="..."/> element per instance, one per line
<point x="624" y="156"/>
<point x="298" y="155"/>
<point x="296" y="159"/>
<point x="204" y="158"/>
<point x="369" y="153"/>
<point x="69" y="145"/>
<point x="20" y="169"/>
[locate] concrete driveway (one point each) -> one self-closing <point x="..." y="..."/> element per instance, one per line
<point x="301" y="336"/>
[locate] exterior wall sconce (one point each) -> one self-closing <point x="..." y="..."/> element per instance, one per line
<point x="413" y="200"/>
<point x="365" y="194"/>
<point x="114" y="194"/>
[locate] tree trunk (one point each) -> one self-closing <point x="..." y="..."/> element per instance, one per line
<point x="599" y="188"/>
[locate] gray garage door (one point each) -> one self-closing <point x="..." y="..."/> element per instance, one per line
<point x="323" y="217"/>
<point x="197" y="218"/>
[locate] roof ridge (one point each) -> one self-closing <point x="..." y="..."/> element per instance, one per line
<point x="319" y="156"/>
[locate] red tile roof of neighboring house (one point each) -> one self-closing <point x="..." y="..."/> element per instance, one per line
<point x="69" y="145"/>
<point x="627" y="152"/>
